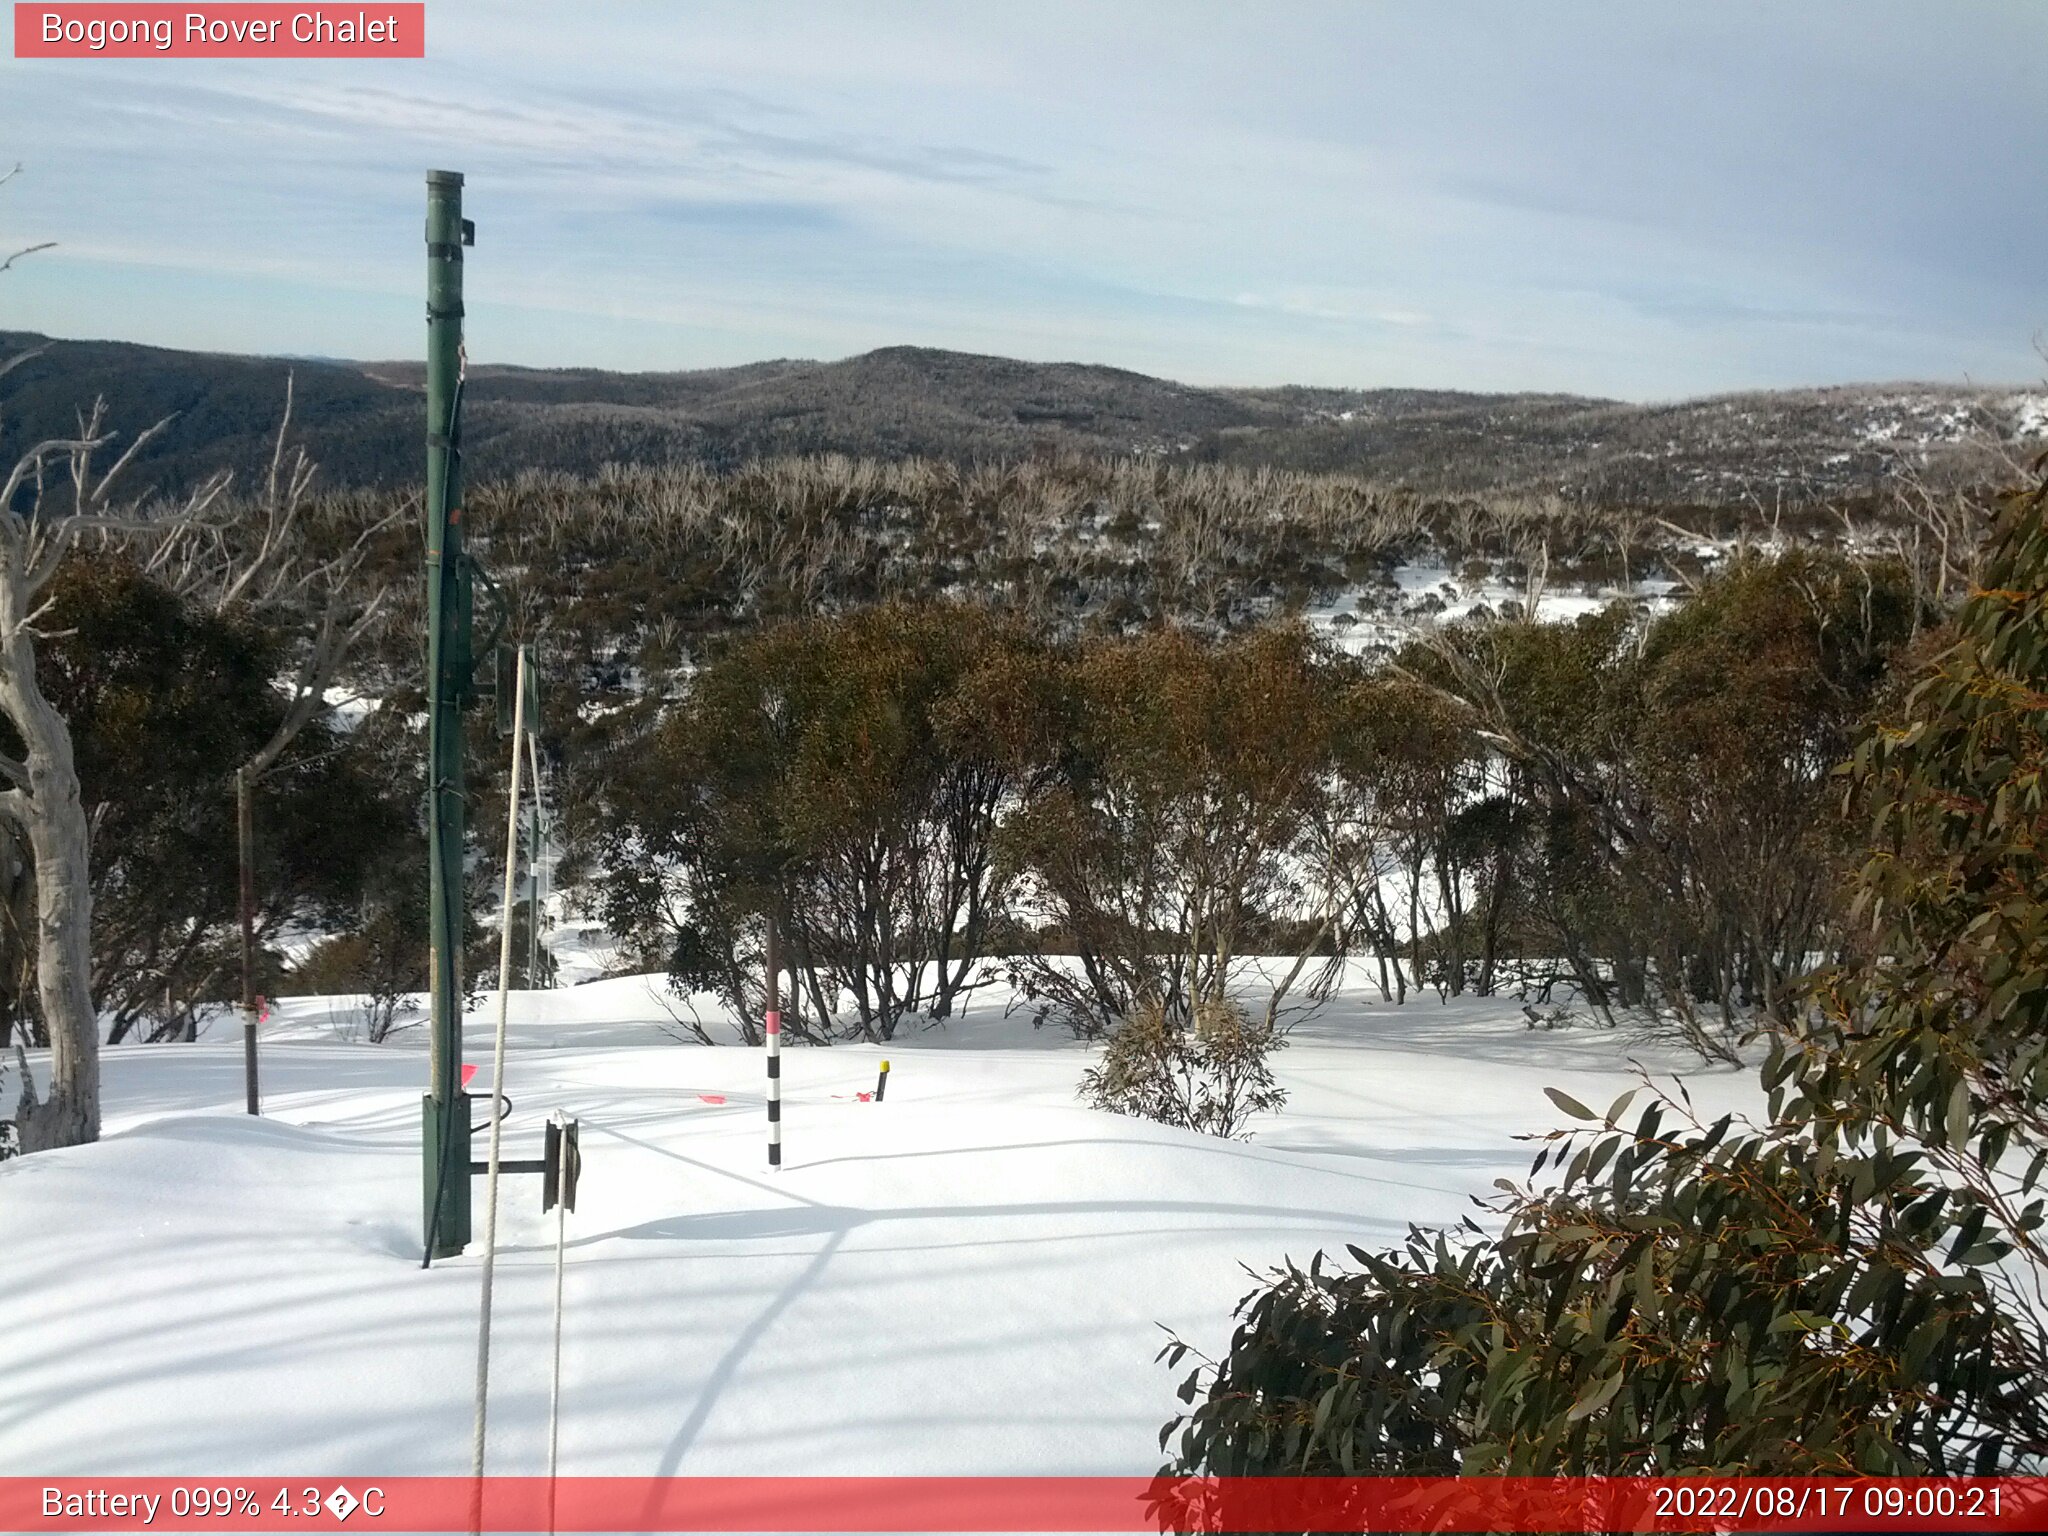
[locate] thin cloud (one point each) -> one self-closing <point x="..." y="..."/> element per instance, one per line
<point x="1641" y="203"/>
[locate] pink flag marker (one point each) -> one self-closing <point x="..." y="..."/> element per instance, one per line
<point x="468" y="1073"/>
<point x="712" y="1098"/>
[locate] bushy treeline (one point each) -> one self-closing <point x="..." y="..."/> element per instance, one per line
<point x="632" y="578"/>
<point x="1854" y="1284"/>
<point x="649" y="562"/>
<point x="1628" y="817"/>
<point x="1110" y="767"/>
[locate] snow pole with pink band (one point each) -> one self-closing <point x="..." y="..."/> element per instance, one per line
<point x="772" y="1028"/>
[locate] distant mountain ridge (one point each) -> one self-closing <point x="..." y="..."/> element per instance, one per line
<point x="362" y="421"/>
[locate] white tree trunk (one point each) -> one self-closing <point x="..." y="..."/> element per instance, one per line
<point x="51" y="813"/>
<point x="42" y="795"/>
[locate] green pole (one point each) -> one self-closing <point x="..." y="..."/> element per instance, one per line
<point x="446" y="1122"/>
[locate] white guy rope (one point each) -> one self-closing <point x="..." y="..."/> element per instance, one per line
<point x="555" y="1371"/>
<point x="483" y="1332"/>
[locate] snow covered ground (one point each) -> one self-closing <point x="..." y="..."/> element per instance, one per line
<point x="1365" y="618"/>
<point x="970" y="1278"/>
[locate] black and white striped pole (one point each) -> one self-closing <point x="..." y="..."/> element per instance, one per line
<point x="771" y="1024"/>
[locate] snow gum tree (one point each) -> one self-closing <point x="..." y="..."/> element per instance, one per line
<point x="1669" y="822"/>
<point x="51" y="500"/>
<point x="1177" y="842"/>
<point x="1412" y="832"/>
<point x="43" y="799"/>
<point x="846" y="775"/>
<point x="162" y="697"/>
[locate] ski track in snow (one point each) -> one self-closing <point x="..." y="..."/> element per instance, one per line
<point x="970" y="1278"/>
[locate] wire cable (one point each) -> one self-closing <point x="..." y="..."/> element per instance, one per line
<point x="483" y="1333"/>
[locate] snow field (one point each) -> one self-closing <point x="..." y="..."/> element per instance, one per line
<point x="970" y="1278"/>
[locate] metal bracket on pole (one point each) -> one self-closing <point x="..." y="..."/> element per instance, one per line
<point x="560" y="1165"/>
<point x="564" y="1162"/>
<point x="509" y="658"/>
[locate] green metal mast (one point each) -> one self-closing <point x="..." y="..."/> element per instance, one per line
<point x="450" y="606"/>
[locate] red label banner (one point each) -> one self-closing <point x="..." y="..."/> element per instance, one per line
<point x="1063" y="1504"/>
<point x="115" y="31"/>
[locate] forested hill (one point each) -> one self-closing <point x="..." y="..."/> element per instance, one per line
<point x="362" y="421"/>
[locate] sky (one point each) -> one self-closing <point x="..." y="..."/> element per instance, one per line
<point x="1635" y="200"/>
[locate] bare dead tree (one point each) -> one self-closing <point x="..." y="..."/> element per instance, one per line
<point x="1628" y="525"/>
<point x="9" y="261"/>
<point x="262" y="563"/>
<point x="1536" y="562"/>
<point x="1938" y="517"/>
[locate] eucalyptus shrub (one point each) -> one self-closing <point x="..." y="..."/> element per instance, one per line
<point x="1211" y="1075"/>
